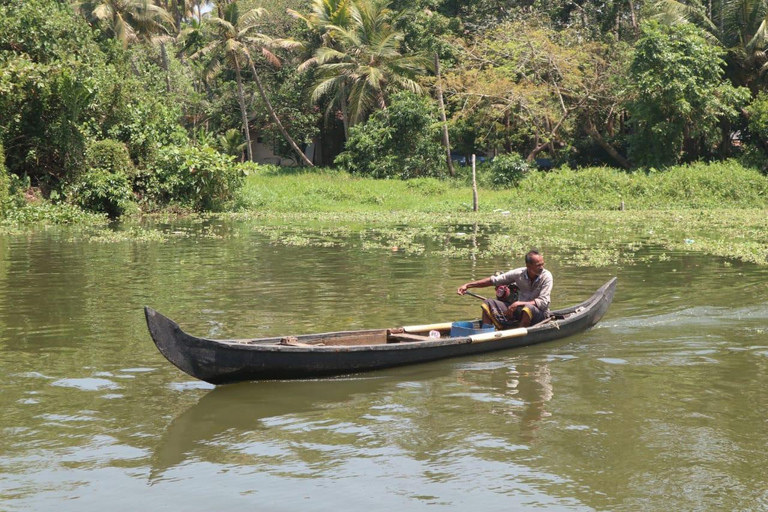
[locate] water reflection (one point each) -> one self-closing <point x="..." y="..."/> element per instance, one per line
<point x="662" y="405"/>
<point x="316" y="427"/>
<point x="226" y="412"/>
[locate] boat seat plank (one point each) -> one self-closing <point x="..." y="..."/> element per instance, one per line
<point x="405" y="337"/>
<point x="373" y="338"/>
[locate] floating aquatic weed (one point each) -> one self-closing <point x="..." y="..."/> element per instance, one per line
<point x="600" y="257"/>
<point x="134" y="234"/>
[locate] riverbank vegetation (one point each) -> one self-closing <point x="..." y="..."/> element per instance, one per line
<point x="110" y="109"/>
<point x="717" y="185"/>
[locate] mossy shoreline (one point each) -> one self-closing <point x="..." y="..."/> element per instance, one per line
<point x="709" y="209"/>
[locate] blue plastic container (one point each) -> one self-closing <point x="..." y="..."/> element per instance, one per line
<point x="460" y="329"/>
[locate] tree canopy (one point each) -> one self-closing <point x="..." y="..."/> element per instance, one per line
<point x="628" y="83"/>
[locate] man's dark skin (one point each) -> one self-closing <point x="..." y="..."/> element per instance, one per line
<point x="533" y="269"/>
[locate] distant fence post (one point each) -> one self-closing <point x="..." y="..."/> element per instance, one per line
<point x="474" y="185"/>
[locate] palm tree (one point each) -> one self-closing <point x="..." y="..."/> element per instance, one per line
<point x="127" y="20"/>
<point x="132" y="21"/>
<point x="231" y="143"/>
<point x="364" y="63"/>
<point x="738" y="26"/>
<point x="327" y="13"/>
<point x="235" y="35"/>
<point x="324" y="16"/>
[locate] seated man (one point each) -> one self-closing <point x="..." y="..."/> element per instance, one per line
<point x="534" y="285"/>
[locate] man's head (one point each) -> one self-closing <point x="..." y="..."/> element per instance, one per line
<point x="534" y="262"/>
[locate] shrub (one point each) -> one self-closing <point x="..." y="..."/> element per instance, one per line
<point x="758" y="117"/>
<point x="103" y="185"/>
<point x="680" y="96"/>
<point x="508" y="170"/>
<point x="99" y="190"/>
<point x="196" y="177"/>
<point x="109" y="155"/>
<point x="399" y="142"/>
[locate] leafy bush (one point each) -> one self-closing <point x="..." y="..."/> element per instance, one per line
<point x="717" y="185"/>
<point x="109" y="155"/>
<point x="756" y="146"/>
<point x="104" y="184"/>
<point x="100" y="190"/>
<point x="196" y="177"/>
<point x="679" y="95"/>
<point x="399" y="142"/>
<point x="758" y="116"/>
<point x="507" y="170"/>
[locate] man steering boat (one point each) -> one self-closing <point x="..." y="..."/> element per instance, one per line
<point x="533" y="284"/>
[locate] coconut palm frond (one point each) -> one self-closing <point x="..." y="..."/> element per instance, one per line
<point x="325" y="55"/>
<point x="673" y="11"/>
<point x="271" y="57"/>
<point x="102" y="12"/>
<point x="286" y="44"/>
<point x="251" y="17"/>
<point x="304" y="66"/>
<point x="361" y="101"/>
<point x="326" y="87"/>
<point x="221" y="27"/>
<point x="375" y="78"/>
<point x="122" y="30"/>
<point x="759" y="39"/>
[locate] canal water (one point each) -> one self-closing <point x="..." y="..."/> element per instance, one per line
<point x="662" y="406"/>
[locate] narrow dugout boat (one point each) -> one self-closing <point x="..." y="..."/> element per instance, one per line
<point x="339" y="353"/>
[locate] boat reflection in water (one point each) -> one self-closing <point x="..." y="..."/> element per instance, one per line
<point x="227" y="412"/>
<point x="418" y="412"/>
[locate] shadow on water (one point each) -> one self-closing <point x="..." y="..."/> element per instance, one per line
<point x="237" y="408"/>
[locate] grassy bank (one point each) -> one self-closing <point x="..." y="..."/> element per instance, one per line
<point x="725" y="185"/>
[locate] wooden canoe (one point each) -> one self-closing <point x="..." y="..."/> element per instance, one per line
<point x="346" y="352"/>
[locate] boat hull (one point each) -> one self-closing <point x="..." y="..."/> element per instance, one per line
<point x="228" y="361"/>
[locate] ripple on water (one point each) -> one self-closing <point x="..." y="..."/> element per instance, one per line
<point x="86" y="384"/>
<point x="185" y="386"/>
<point x="612" y="360"/>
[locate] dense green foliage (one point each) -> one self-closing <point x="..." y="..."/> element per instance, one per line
<point x="136" y="105"/>
<point x="192" y="177"/>
<point x="507" y="170"/>
<point x="680" y="95"/>
<point x="401" y="141"/>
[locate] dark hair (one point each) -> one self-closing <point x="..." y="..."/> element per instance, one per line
<point x="530" y="255"/>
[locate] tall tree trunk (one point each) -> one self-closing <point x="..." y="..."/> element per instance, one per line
<point x="241" y="100"/>
<point x="634" y="18"/>
<point x="276" y="119"/>
<point x="507" y="141"/>
<point x="441" y="104"/>
<point x="344" y="112"/>
<point x="597" y="137"/>
<point x="725" y="141"/>
<point x="166" y="66"/>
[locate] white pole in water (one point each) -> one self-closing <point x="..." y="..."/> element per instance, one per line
<point x="474" y="185"/>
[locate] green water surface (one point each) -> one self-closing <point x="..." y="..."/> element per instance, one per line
<point x="662" y="406"/>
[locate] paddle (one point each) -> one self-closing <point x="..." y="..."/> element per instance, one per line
<point x="475" y="295"/>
